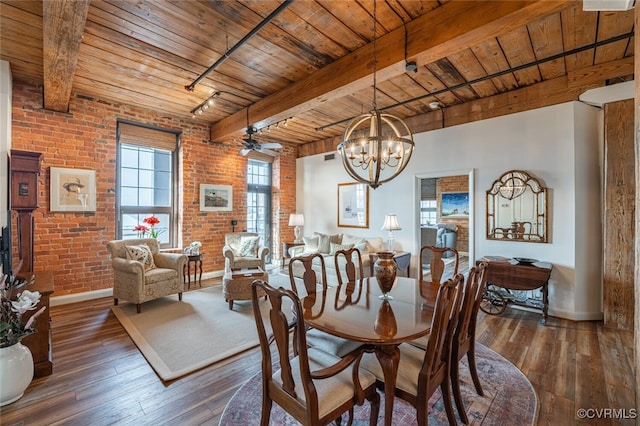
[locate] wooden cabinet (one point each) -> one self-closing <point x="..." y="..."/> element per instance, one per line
<point x="40" y="342"/>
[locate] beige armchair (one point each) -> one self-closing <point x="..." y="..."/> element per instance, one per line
<point x="144" y="279"/>
<point x="242" y="250"/>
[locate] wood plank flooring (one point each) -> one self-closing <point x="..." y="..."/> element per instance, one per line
<point x="100" y="377"/>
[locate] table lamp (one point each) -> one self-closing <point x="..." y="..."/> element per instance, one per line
<point x="391" y="224"/>
<point x="297" y="220"/>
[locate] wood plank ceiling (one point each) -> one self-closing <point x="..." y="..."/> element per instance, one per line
<point x="313" y="62"/>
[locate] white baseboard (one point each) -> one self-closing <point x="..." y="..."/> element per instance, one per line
<point x="106" y="292"/>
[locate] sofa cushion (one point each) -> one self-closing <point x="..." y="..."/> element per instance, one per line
<point x="335" y="247"/>
<point x="350" y="239"/>
<point x="325" y="240"/>
<point x="142" y="254"/>
<point x="249" y="246"/>
<point x="375" y="245"/>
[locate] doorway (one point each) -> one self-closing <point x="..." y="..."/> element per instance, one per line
<point x="445" y="211"/>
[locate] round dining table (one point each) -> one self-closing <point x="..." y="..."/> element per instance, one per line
<point x="356" y="311"/>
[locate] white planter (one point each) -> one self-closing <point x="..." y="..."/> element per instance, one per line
<point x="16" y="372"/>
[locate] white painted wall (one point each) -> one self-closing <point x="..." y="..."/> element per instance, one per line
<point x="557" y="144"/>
<point x="5" y="138"/>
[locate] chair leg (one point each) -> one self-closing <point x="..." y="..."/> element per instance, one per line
<point x="457" y="396"/>
<point x="374" y="401"/>
<point x="180" y="296"/>
<point x="231" y="304"/>
<point x="139" y="307"/>
<point x="471" y="358"/>
<point x="115" y="301"/>
<point x="266" y="411"/>
<point x="446" y="397"/>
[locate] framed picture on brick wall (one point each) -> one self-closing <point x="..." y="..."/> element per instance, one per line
<point x="72" y="190"/>
<point x="216" y="198"/>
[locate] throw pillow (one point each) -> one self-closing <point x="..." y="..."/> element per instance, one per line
<point x="375" y="245"/>
<point x="325" y="240"/>
<point x="350" y="239"/>
<point x="141" y="253"/>
<point x="335" y="247"/>
<point x="249" y="246"/>
<point x="310" y="244"/>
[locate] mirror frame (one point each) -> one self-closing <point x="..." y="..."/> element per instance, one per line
<point x="511" y="185"/>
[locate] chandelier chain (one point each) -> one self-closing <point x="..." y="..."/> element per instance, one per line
<point x="375" y="56"/>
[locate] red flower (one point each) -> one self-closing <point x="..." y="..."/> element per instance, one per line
<point x="151" y="220"/>
<point x="141" y="228"/>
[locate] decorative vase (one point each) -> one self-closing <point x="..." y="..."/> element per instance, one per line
<point x="385" y="324"/>
<point x="16" y="372"/>
<point x="385" y="270"/>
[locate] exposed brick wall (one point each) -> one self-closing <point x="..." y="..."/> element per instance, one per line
<point x="455" y="184"/>
<point x="73" y="245"/>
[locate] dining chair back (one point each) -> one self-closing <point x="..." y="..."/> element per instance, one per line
<point x="436" y="263"/>
<point x="349" y="261"/>
<point x="309" y="276"/>
<point x="464" y="341"/>
<point x="316" y="292"/>
<point x="314" y="387"/>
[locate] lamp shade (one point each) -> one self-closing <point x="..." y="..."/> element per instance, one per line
<point x="296" y="219"/>
<point x="391" y="223"/>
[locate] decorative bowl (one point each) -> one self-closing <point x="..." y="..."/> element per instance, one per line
<point x="525" y="260"/>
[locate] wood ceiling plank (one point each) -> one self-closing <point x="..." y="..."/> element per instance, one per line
<point x="492" y="58"/>
<point x="518" y="51"/>
<point x="452" y="27"/>
<point x="450" y="76"/>
<point x="578" y="29"/>
<point x="468" y="66"/>
<point x="432" y="84"/>
<point x="410" y="9"/>
<point x="63" y="23"/>
<point x="546" y="39"/>
<point x="600" y="73"/>
<point x="612" y="24"/>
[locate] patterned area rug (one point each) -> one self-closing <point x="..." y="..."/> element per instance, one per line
<point x="509" y="399"/>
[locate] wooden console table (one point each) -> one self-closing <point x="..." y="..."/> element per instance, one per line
<point x="196" y="260"/>
<point x="511" y="275"/>
<point x="40" y="342"/>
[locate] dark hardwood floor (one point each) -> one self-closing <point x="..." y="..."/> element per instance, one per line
<point x="100" y="378"/>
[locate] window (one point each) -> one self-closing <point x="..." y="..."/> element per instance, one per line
<point x="428" y="212"/>
<point x="259" y="200"/>
<point x="146" y="182"/>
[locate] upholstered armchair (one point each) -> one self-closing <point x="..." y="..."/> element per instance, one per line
<point x="243" y="250"/>
<point x="141" y="274"/>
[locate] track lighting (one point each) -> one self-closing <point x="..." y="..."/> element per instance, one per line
<point x="209" y="102"/>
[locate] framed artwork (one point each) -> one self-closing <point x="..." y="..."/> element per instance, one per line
<point x="454" y="205"/>
<point x="353" y="205"/>
<point x="72" y="190"/>
<point x="216" y="198"/>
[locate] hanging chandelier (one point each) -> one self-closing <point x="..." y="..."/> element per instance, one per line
<point x="375" y="147"/>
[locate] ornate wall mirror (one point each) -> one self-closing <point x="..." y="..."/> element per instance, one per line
<point x="517" y="208"/>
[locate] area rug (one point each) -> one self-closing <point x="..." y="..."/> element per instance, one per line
<point x="177" y="338"/>
<point x="509" y="399"/>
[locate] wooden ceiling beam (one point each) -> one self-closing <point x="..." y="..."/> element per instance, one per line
<point x="62" y="28"/>
<point x="448" y="29"/>
<point x="550" y="92"/>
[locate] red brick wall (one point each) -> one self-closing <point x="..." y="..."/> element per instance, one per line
<point x="73" y="245"/>
<point x="455" y="184"/>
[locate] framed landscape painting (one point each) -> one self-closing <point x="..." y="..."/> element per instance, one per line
<point x="353" y="205"/>
<point x="454" y="204"/>
<point x="216" y="198"/>
<point x="72" y="190"/>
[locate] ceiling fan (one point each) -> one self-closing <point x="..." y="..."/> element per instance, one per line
<point x="251" y="144"/>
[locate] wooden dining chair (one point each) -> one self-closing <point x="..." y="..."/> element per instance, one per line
<point x="315" y="291"/>
<point x="421" y="372"/>
<point x="314" y="387"/>
<point x="345" y="265"/>
<point x="436" y="263"/>
<point x="464" y="340"/>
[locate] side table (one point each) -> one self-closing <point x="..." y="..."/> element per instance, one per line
<point x="402" y="258"/>
<point x="196" y="260"/>
<point x="285" y="250"/>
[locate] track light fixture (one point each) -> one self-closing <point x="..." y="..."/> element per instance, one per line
<point x="276" y="125"/>
<point x="205" y="105"/>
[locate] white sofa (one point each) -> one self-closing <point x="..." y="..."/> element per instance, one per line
<point x="328" y="244"/>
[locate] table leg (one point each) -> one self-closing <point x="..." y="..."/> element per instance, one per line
<point x="189" y="273"/>
<point x="545" y="302"/>
<point x="389" y="358"/>
<point x="200" y="276"/>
